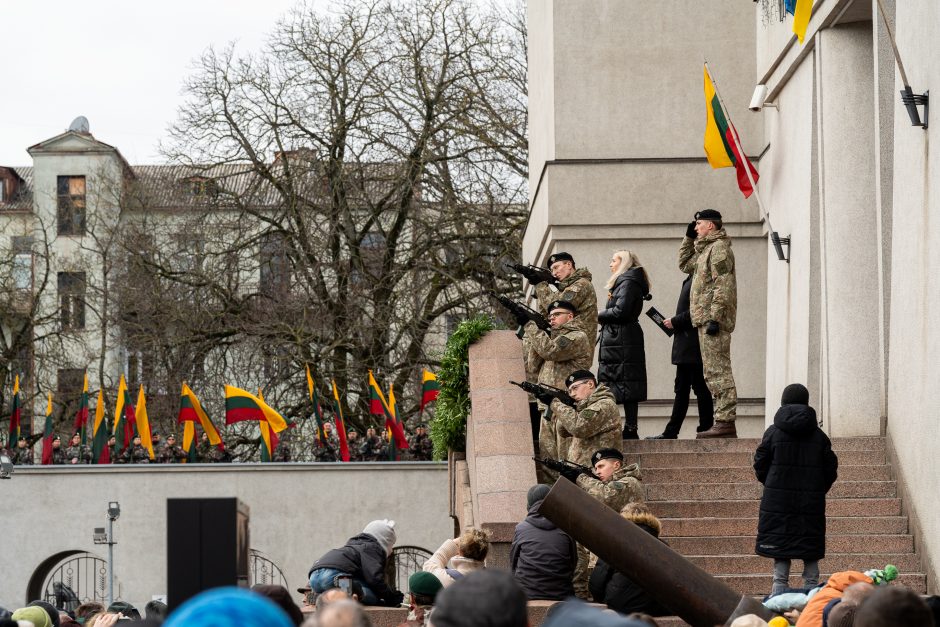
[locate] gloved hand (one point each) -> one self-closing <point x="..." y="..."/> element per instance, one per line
<point x="571" y="474"/>
<point x="545" y="398"/>
<point x="521" y="320"/>
<point x="395" y="599"/>
<point x="690" y="230"/>
<point x="711" y="328"/>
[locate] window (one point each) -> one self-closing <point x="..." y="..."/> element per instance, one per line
<point x="275" y="264"/>
<point x="72" y="300"/>
<point x="22" y="262"/>
<point x="191" y="250"/>
<point x="201" y="187"/>
<point x="69" y="385"/>
<point x="3" y="189"/>
<point x="372" y="250"/>
<point x="70" y="191"/>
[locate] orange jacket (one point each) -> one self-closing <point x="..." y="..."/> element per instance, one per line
<point x="812" y="614"/>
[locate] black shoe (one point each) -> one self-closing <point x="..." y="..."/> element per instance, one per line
<point x="661" y="436"/>
<point x="630" y="435"/>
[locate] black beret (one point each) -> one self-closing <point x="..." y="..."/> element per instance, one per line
<point x="579" y="375"/>
<point x="562" y="304"/>
<point x="708" y="214"/>
<point x="22" y="438"/>
<point x="606" y="453"/>
<point x="559" y="257"/>
<point x="56" y="437"/>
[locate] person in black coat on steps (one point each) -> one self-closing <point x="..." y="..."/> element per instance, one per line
<point x="687" y="358"/>
<point x="796" y="464"/>
<point x="622" y="356"/>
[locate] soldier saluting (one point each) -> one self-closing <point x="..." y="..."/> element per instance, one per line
<point x="706" y="254"/>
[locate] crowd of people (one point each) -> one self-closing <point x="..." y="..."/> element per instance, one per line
<point x="370" y="448"/>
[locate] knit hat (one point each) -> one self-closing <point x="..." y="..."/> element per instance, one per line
<point x="34" y="614"/>
<point x="383" y="531"/>
<point x="708" y="214"/>
<point x="779" y="621"/>
<point x="50" y="610"/>
<point x="536" y="493"/>
<point x="424" y="583"/>
<point x="842" y="615"/>
<point x="881" y="577"/>
<point x="795" y="394"/>
<point x="229" y="607"/>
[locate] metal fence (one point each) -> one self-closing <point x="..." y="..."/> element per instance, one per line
<point x="264" y="571"/>
<point x="79" y="579"/>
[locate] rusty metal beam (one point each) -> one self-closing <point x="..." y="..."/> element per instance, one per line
<point x="678" y="585"/>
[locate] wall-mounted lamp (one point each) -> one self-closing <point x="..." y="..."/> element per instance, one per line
<point x="912" y="101"/>
<point x="779" y="243"/>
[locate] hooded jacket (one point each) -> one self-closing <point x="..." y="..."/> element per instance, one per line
<point x="364" y="558"/>
<point x="796" y="464"/>
<point x="542" y="558"/>
<point x="621" y="361"/>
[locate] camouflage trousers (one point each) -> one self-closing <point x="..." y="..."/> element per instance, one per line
<point x="582" y="574"/>
<point x="552" y="445"/>
<point x="716" y="365"/>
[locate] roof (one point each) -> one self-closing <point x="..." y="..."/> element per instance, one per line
<point x="23" y="198"/>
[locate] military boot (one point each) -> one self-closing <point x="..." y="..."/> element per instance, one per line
<point x="723" y="429"/>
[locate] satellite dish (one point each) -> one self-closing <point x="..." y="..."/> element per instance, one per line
<point x="80" y="125"/>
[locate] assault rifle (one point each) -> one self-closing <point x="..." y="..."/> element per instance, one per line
<point x="546" y="394"/>
<point x="534" y="274"/>
<point x="568" y="470"/>
<point x="522" y="314"/>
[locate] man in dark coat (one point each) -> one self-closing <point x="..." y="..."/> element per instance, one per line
<point x="621" y="361"/>
<point x="687" y="358"/>
<point x="542" y="557"/>
<point x="362" y="559"/>
<point x="796" y="464"/>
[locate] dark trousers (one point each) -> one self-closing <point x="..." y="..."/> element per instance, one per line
<point x="535" y="417"/>
<point x="631" y="410"/>
<point x="689" y="377"/>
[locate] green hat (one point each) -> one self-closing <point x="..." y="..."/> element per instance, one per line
<point x="425" y="584"/>
<point x="34" y="614"/>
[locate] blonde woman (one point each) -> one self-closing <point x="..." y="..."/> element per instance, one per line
<point x="622" y="356"/>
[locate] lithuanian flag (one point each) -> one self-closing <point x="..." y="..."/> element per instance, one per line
<point x="15" y="415"/>
<point x="317" y="409"/>
<point x="191" y="412"/>
<point x="47" y="434"/>
<point x="143" y="422"/>
<point x="125" y="419"/>
<point x="430" y="388"/>
<point x="720" y="146"/>
<point x="81" y="416"/>
<point x="340" y="424"/>
<point x="100" y="451"/>
<point x="377" y="400"/>
<point x="241" y="405"/>
<point x="269" y="439"/>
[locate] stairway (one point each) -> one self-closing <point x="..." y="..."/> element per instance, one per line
<point x="706" y="495"/>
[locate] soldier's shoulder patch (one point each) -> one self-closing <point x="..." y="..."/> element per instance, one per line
<point x="618" y="485"/>
<point x="722" y="262"/>
<point x="563" y="341"/>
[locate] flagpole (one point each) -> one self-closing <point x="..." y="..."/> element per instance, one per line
<point x="737" y="143"/>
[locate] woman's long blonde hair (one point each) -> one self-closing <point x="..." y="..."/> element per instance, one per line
<point x="628" y="259"/>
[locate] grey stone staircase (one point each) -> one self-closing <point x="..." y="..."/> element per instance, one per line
<point x="706" y="495"/>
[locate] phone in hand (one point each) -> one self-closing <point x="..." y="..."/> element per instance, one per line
<point x="344" y="583"/>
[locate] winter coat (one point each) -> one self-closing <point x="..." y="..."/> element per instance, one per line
<point x="619" y="592"/>
<point x="812" y="614"/>
<point x="363" y="558"/>
<point x="542" y="558"/>
<point x="796" y="464"/>
<point x="685" y="347"/>
<point x="578" y="290"/>
<point x="714" y="294"/>
<point x="446" y="561"/>
<point x="621" y="362"/>
<point x="592" y="424"/>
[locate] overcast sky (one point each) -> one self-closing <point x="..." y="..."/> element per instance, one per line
<point x="120" y="63"/>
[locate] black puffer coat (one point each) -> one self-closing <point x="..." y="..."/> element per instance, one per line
<point x="622" y="357"/>
<point x="363" y="558"/>
<point x="796" y="464"/>
<point x="685" y="347"/>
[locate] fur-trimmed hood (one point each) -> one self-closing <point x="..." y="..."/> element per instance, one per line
<point x="646" y="520"/>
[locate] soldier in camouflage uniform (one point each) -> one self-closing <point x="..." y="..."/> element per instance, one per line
<point x="616" y="486"/>
<point x="713" y="308"/>
<point x="171" y="453"/>
<point x="22" y="455"/>
<point x="574" y="285"/>
<point x="594" y="422"/>
<point x="355" y="445"/>
<point x="58" y="453"/>
<point x="373" y="448"/>
<point x="77" y="453"/>
<point x="328" y="447"/>
<point x="136" y="453"/>
<point x="282" y="450"/>
<point x="565" y="349"/>
<point x="420" y="445"/>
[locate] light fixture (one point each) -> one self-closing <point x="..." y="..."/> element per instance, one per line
<point x="114" y="510"/>
<point x="6" y="467"/>
<point x="779" y="243"/>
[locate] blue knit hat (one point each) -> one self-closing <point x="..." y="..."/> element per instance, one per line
<point x="229" y="607"/>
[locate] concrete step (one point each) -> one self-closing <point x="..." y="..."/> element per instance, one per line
<point x="702" y="527"/>
<point x="741" y="459"/>
<point x="833" y="563"/>
<point x="746" y="491"/>
<point x="749" y="508"/>
<point x="714" y="474"/>
<point x="739" y="445"/>
<point x="744" y="545"/>
<point x="761" y="584"/>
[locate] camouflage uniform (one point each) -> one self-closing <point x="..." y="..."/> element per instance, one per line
<point x="22" y="456"/>
<point x="136" y="454"/>
<point x="579" y="291"/>
<point x="79" y="452"/>
<point x="171" y="454"/>
<point x="326" y="452"/>
<point x="623" y="487"/>
<point x="714" y="296"/>
<point x="281" y="452"/>
<point x="355" y="447"/>
<point x="593" y="424"/>
<point x="564" y="350"/>
<point x="421" y="447"/>
<point x="58" y="456"/>
<point x="373" y="449"/>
